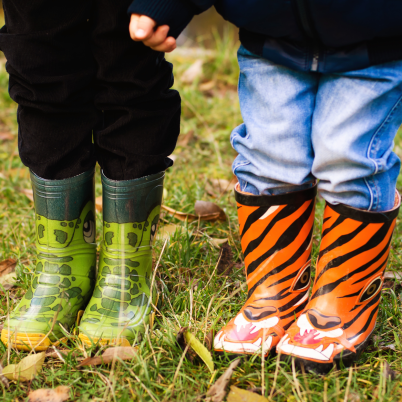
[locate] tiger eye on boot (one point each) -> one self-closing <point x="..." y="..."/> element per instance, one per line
<point x="341" y="314"/>
<point x="276" y="238"/>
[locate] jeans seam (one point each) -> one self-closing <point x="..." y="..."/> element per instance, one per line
<point x="371" y="147"/>
<point x="375" y="135"/>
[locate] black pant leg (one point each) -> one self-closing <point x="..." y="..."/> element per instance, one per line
<point x="48" y="51"/>
<point x="141" y="114"/>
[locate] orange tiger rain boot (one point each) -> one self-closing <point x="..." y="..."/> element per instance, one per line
<point x="276" y="238"/>
<point x="341" y="314"/>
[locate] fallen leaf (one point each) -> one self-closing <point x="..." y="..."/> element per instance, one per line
<point x="217" y="187"/>
<point x="2" y="378"/>
<point x="21" y="173"/>
<point x="184" y="139"/>
<point x="208" y="211"/>
<point x="200" y="349"/>
<point x="392" y="275"/>
<point x="226" y="263"/>
<point x="209" y="340"/>
<point x="98" y="203"/>
<point x="121" y="352"/>
<point x="8" y="281"/>
<point x="59" y="394"/>
<point x="193" y="72"/>
<point x="207" y="86"/>
<point x="166" y="231"/>
<point x="391" y="346"/>
<point x="7" y="266"/>
<point x="28" y="193"/>
<point x="4" y="136"/>
<point x="26" y="369"/>
<point x="388" y="373"/>
<point x="241" y="395"/>
<point x="218" y="391"/>
<point x="56" y="353"/>
<point x="353" y="397"/>
<point x="217" y="242"/>
<point x="180" y="215"/>
<point x="181" y="340"/>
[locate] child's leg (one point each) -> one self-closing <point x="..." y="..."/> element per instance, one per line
<point x="356" y="118"/>
<point x="274" y="143"/>
<point x="51" y="69"/>
<point x="275" y="157"/>
<point x="47" y="46"/>
<point x="141" y="115"/>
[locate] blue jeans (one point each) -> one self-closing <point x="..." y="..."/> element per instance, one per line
<point x="337" y="128"/>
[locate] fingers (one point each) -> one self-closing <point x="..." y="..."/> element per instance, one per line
<point x="167" y="46"/>
<point x="141" y="27"/>
<point x="159" y="40"/>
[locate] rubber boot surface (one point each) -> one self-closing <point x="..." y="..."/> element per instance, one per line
<point x="65" y="267"/>
<point x="276" y="238"/>
<point x="342" y="312"/>
<point x="121" y="304"/>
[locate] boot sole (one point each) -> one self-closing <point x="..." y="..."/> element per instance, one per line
<point x="28" y="341"/>
<point x="104" y="341"/>
<point x="339" y="361"/>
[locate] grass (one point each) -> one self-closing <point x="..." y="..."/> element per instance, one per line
<point x="191" y="296"/>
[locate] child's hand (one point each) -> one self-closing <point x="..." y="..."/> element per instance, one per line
<point x="142" y="30"/>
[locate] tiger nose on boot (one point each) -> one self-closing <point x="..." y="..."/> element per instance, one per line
<point x="321" y="321"/>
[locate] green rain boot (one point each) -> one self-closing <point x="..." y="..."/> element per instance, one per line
<point x="121" y="304"/>
<point x="64" y="277"/>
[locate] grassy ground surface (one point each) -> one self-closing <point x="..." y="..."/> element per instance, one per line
<point x="192" y="295"/>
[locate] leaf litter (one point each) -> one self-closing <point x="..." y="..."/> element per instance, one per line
<point x="218" y="391"/>
<point x="241" y="395"/>
<point x="27" y="369"/>
<point x="115" y="353"/>
<point x="184" y="338"/>
<point x="58" y="394"/>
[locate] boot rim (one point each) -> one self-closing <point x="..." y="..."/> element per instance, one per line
<point x="294" y="197"/>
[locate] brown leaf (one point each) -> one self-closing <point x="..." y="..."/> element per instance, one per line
<point x="184" y="139"/>
<point x="98" y="203"/>
<point x="388" y="373"/>
<point x="226" y="263"/>
<point x="2" y="378"/>
<point x="59" y="394"/>
<point x="353" y="397"/>
<point x="218" y="391"/>
<point x="207" y="86"/>
<point x="241" y="395"/>
<point x="121" y="352"/>
<point x="193" y="72"/>
<point x="181" y="340"/>
<point x="390" y="346"/>
<point x="54" y="353"/>
<point x="7" y="266"/>
<point x="6" y="136"/>
<point x="208" y="211"/>
<point x="28" y="193"/>
<point x="180" y="215"/>
<point x="209" y="340"/>
<point x="392" y="275"/>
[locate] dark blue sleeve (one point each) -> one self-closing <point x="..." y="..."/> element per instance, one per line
<point x="175" y="13"/>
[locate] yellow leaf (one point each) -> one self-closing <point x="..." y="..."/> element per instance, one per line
<point x="98" y="203"/>
<point x="200" y="349"/>
<point x="241" y="395"/>
<point x="59" y="394"/>
<point x="28" y="193"/>
<point x="217" y="242"/>
<point x="166" y="231"/>
<point x="26" y="369"/>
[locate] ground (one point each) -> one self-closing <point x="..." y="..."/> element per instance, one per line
<point x="194" y="294"/>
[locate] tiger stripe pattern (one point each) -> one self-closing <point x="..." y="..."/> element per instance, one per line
<point x="342" y="311"/>
<point x="276" y="238"/>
